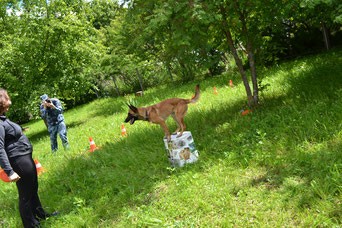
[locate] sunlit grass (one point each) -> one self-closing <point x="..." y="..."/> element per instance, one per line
<point x="277" y="167"/>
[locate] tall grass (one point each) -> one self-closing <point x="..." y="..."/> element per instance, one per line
<point x="277" y="167"/>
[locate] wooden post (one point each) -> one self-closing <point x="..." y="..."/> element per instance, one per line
<point x="116" y="86"/>
<point x="140" y="81"/>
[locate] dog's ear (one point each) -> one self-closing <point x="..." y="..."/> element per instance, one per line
<point x="133" y="108"/>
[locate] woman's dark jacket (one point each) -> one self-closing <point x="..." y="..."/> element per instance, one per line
<point x="13" y="143"/>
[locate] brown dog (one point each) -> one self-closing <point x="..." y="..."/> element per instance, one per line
<point x="158" y="113"/>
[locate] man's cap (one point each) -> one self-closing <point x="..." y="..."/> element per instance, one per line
<point x="44" y="97"/>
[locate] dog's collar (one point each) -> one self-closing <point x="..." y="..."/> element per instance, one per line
<point x="147" y="115"/>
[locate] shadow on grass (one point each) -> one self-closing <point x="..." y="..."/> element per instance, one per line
<point x="44" y="132"/>
<point x="121" y="175"/>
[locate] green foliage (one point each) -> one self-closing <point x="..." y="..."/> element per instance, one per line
<point x="327" y="9"/>
<point x="278" y="166"/>
<point x="48" y="49"/>
<point x="78" y="50"/>
<point x="175" y="34"/>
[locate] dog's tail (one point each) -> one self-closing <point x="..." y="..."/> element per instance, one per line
<point x="196" y="97"/>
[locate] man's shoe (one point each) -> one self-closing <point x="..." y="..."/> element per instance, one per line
<point x="55" y="213"/>
<point x="47" y="215"/>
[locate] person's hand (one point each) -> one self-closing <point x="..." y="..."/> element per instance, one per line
<point x="44" y="104"/>
<point x="49" y="104"/>
<point x="14" y="177"/>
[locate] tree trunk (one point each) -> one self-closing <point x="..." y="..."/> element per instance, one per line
<point x="240" y="67"/>
<point x="250" y="53"/>
<point x="140" y="80"/>
<point x="325" y="36"/>
<point x="254" y="76"/>
<point x="237" y="60"/>
<point x="251" y="60"/>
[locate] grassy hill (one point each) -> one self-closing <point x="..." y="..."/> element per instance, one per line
<point x="279" y="166"/>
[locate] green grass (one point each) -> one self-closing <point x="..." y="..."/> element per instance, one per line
<point x="278" y="167"/>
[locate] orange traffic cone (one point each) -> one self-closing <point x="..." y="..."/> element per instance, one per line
<point x="39" y="166"/>
<point x="231" y="84"/>
<point x="93" y="146"/>
<point x="123" y="130"/>
<point x="245" y="112"/>
<point x="215" y="90"/>
<point x="3" y="176"/>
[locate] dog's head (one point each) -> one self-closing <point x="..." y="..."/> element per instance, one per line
<point x="133" y="114"/>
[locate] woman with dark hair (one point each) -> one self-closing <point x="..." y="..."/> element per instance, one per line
<point x="17" y="162"/>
